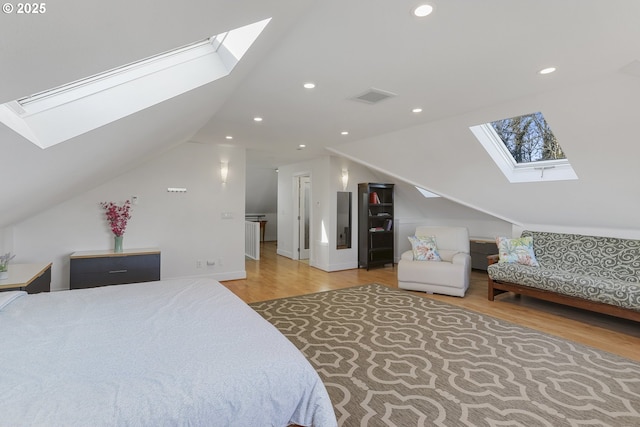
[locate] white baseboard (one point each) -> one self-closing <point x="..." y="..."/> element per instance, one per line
<point x="343" y="266"/>
<point x="288" y="254"/>
<point x="229" y="275"/>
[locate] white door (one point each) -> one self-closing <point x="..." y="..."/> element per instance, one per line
<point x="304" y="209"/>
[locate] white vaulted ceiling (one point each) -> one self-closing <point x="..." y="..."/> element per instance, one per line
<point x="467" y="63"/>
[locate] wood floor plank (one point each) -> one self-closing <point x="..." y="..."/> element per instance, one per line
<point x="275" y="276"/>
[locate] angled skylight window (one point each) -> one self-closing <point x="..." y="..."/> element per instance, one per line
<point x="56" y="115"/>
<point x="525" y="149"/>
<point x="425" y="193"/>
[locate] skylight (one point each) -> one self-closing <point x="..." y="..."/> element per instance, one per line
<point x="525" y="149"/>
<point x="425" y="193"/>
<point x="56" y="115"/>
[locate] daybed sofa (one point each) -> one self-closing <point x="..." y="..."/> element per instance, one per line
<point x="595" y="273"/>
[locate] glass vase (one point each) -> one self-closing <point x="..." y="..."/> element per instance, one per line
<point x="117" y="244"/>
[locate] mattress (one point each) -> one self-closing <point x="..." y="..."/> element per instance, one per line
<point x="167" y="353"/>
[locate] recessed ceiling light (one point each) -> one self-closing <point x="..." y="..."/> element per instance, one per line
<point x="344" y="132"/>
<point x="547" y="70"/>
<point x="257" y="119"/>
<point x="423" y="10"/>
<point x="309" y="85"/>
<point x="301" y="146"/>
<point x="417" y="110"/>
<point x="228" y="137"/>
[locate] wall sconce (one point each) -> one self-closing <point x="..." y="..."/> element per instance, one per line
<point x="224" y="171"/>
<point x="345" y="179"/>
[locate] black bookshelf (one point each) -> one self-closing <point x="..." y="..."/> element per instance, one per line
<point x="375" y="225"/>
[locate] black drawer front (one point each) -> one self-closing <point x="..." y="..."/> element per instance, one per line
<point x="479" y="252"/>
<point x="41" y="284"/>
<point x="101" y="271"/>
<point x="488" y="248"/>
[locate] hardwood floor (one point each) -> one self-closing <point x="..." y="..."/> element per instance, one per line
<point x="275" y="276"/>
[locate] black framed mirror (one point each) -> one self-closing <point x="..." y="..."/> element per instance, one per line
<point x="343" y="223"/>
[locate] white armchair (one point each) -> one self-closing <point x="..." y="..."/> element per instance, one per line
<point x="450" y="276"/>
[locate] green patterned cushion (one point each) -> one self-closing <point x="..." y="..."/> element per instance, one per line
<point x="424" y="248"/>
<point x="518" y="250"/>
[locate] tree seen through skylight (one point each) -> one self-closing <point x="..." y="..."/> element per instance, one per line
<point x="528" y="138"/>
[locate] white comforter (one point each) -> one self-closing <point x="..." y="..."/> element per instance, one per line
<point x="168" y="353"/>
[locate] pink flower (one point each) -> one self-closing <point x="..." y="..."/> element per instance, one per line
<point x="117" y="216"/>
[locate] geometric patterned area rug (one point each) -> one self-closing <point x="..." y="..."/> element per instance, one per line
<point x="391" y="358"/>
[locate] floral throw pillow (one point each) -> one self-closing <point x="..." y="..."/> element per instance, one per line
<point x="424" y="248"/>
<point x="518" y="250"/>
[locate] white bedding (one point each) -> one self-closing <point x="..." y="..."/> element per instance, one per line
<point x="168" y="353"/>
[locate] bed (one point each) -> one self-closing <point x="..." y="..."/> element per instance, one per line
<point x="167" y="353"/>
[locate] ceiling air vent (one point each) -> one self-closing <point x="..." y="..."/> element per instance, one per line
<point x="373" y="96"/>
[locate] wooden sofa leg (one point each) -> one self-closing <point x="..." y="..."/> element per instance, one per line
<point x="490" y="288"/>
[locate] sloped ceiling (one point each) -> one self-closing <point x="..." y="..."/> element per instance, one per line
<point x="593" y="122"/>
<point x="470" y="60"/>
<point x="76" y="39"/>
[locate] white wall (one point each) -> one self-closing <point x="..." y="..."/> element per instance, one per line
<point x="286" y="198"/>
<point x="411" y="209"/>
<point x="320" y="217"/>
<point x="6" y="240"/>
<point x="343" y="259"/>
<point x="598" y="139"/>
<point x="185" y="226"/>
<point x="317" y="170"/>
